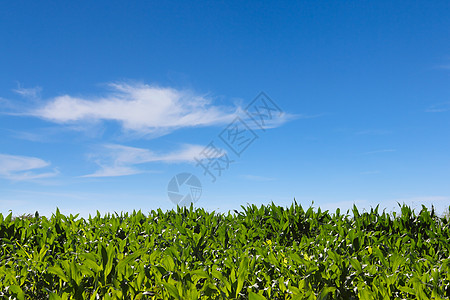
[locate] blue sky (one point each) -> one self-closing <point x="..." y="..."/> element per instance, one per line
<point x="102" y="103"/>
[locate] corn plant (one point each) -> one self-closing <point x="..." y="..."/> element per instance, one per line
<point x="266" y="252"/>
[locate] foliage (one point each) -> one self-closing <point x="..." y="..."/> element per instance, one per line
<point x="268" y="252"/>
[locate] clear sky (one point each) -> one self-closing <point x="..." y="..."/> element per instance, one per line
<point x="102" y="103"/>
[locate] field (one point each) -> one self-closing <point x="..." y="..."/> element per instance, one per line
<point x="266" y="252"/>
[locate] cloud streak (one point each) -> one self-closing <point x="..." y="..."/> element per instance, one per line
<point x="30" y="93"/>
<point x="142" y="110"/>
<point x="138" y="107"/>
<point x="118" y="160"/>
<point x="438" y="108"/>
<point x="22" y="168"/>
<point x="444" y="67"/>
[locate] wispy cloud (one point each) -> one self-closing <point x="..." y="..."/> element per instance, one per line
<point x="277" y="120"/>
<point x="29" y="93"/>
<point x="119" y="160"/>
<point x="445" y="67"/>
<point x="142" y="109"/>
<point x="6" y="105"/>
<point x="138" y="107"/>
<point x="380" y="151"/>
<point x="19" y="168"/>
<point x="440" y="107"/>
<point x="45" y="134"/>
<point x="28" y="136"/>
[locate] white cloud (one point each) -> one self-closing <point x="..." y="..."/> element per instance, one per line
<point x="30" y="93"/>
<point x="440" y="107"/>
<point x="138" y="107"/>
<point x="22" y="167"/>
<point x="276" y="120"/>
<point x="445" y="67"/>
<point x="114" y="171"/>
<point x="5" y="105"/>
<point x="143" y="109"/>
<point x="119" y="160"/>
<point x="28" y="136"/>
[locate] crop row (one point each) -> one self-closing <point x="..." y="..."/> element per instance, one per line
<point x="266" y="252"/>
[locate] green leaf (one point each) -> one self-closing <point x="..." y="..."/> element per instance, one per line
<point x="110" y="251"/>
<point x="254" y="296"/>
<point x="127" y="260"/>
<point x="200" y="274"/>
<point x="107" y="258"/>
<point x="92" y="264"/>
<point x="169" y="263"/>
<point x="364" y="293"/>
<point x="407" y="290"/>
<point x="325" y="292"/>
<point x="104" y="255"/>
<point x="356" y="265"/>
<point x="286" y="225"/>
<point x="59" y="272"/>
<point x="15" y="289"/>
<point x="54" y="296"/>
<point x="171" y="289"/>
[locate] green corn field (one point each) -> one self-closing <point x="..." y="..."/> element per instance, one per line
<point x="267" y="252"/>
